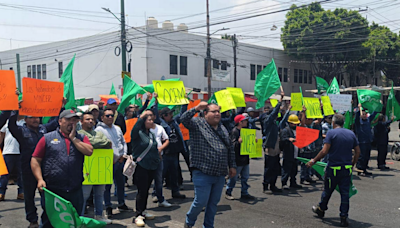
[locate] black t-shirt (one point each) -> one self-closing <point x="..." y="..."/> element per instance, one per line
<point x="175" y="142"/>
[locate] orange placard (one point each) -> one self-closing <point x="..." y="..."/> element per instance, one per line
<point x="305" y="136"/>
<point x="106" y="97"/>
<point x="8" y="98"/>
<point x="41" y="98"/>
<point x="129" y="126"/>
<point x="184" y="130"/>
<point x="3" y="167"/>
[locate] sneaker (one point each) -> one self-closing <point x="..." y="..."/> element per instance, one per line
<point x="344" y="222"/>
<point x="33" y="225"/>
<point x="181" y="187"/>
<point x="164" y="204"/>
<point x="109" y="212"/>
<point x="187" y="226"/>
<point x="311" y="181"/>
<point x="154" y="199"/>
<point x="178" y="196"/>
<point x="148" y="215"/>
<point x="247" y="197"/>
<point x="317" y="210"/>
<point x="315" y="178"/>
<point x="285" y="187"/>
<point x="296" y="186"/>
<point x="20" y="196"/>
<point x="139" y="221"/>
<point x="2" y="196"/>
<point x="102" y="219"/>
<point x="229" y="196"/>
<point x="366" y="173"/>
<point x="124" y="208"/>
<point x="275" y="189"/>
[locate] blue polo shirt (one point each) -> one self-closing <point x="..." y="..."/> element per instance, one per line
<point x="342" y="142"/>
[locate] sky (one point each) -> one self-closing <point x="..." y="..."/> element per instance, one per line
<point x="30" y="22"/>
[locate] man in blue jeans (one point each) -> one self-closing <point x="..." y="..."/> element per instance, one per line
<point x="211" y="154"/>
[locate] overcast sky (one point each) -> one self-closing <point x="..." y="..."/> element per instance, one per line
<point x="30" y="22"/>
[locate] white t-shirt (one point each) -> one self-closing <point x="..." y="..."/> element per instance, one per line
<point x="11" y="145"/>
<point x="160" y="134"/>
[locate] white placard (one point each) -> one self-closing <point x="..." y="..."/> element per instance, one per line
<point x="221" y="75"/>
<point x="341" y="102"/>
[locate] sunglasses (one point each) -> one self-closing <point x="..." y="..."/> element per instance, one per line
<point x="108" y="116"/>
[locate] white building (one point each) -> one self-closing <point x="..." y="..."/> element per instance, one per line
<point x="156" y="53"/>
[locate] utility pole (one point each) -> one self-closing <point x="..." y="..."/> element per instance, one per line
<point x="234" y="41"/>
<point x="123" y="36"/>
<point x="19" y="73"/>
<point x="208" y="53"/>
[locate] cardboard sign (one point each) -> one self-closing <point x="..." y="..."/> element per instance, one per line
<point x="274" y="102"/>
<point x="313" y="108"/>
<point x="41" y="98"/>
<point x="129" y="126"/>
<point x="238" y="96"/>
<point x="170" y="92"/>
<point x="296" y="102"/>
<point x="225" y="100"/>
<point x="3" y="167"/>
<point x="305" y="136"/>
<point x="327" y="106"/>
<point x="98" y="168"/>
<point x="184" y="130"/>
<point x="248" y="145"/>
<point x="341" y="102"/>
<point x="8" y="98"/>
<point x="105" y="98"/>
<point x="259" y="150"/>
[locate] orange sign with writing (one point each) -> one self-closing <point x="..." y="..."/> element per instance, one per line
<point x="305" y="136"/>
<point x="41" y="98"/>
<point x="106" y="97"/>
<point x="184" y="130"/>
<point x="129" y="126"/>
<point x="8" y="98"/>
<point x="3" y="167"/>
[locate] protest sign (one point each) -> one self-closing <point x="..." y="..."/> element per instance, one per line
<point x="248" y="145"/>
<point x="98" y="168"/>
<point x="8" y="97"/>
<point x="238" y="96"/>
<point x="170" y="92"/>
<point x="225" y="100"/>
<point x="274" y="102"/>
<point x="105" y="98"/>
<point x="41" y="98"/>
<point x="129" y="126"/>
<point x="327" y="106"/>
<point x="62" y="214"/>
<point x="3" y="166"/>
<point x="305" y="136"/>
<point x="259" y="150"/>
<point x="313" y="107"/>
<point x="184" y="130"/>
<point x="341" y="102"/>
<point x="296" y="102"/>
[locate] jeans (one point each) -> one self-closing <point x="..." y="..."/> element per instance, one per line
<point x="305" y="172"/>
<point x="171" y="165"/>
<point x="30" y="185"/>
<point x="143" y="179"/>
<point x="158" y="183"/>
<point x="207" y="193"/>
<point x="382" y="153"/>
<point x="244" y="172"/>
<point x="119" y="181"/>
<point x="363" y="161"/>
<point x="12" y="160"/>
<point x="98" y="195"/>
<point x="341" y="179"/>
<point x="289" y="169"/>
<point x="75" y="197"/>
<point x="272" y="168"/>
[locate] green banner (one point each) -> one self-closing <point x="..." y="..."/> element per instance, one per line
<point x="370" y="100"/>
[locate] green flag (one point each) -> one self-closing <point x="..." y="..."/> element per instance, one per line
<point x="112" y="91"/>
<point x="267" y="83"/>
<point x="321" y="84"/>
<point x="392" y="106"/>
<point x="131" y="89"/>
<point x="334" y="87"/>
<point x="80" y="102"/>
<point x="212" y="100"/>
<point x="370" y="100"/>
<point x="68" y="81"/>
<point x="348" y="120"/>
<point x="320" y="168"/>
<point x="62" y="214"/>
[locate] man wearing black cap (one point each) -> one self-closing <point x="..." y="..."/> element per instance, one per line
<point x="57" y="162"/>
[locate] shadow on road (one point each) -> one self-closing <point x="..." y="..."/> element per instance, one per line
<point x="352" y="223"/>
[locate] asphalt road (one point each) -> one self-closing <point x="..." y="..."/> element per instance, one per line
<point x="377" y="204"/>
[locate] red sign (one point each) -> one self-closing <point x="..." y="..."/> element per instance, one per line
<point x="305" y="136"/>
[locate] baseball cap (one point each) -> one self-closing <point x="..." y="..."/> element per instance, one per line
<point x="250" y="109"/>
<point x="165" y="111"/>
<point x="240" y="117"/>
<point x="92" y="107"/>
<point x="111" y="101"/>
<point x="68" y="114"/>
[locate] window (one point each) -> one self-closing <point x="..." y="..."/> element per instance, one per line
<point x="259" y="69"/>
<point x="300" y="76"/>
<point x="33" y="71"/>
<point x="215" y="64"/>
<point x="173" y="64"/>
<point x="60" y="69"/>
<point x="44" y="71"/>
<point x="309" y="77"/>
<point x="280" y="73"/>
<point x="39" y="71"/>
<point x="183" y="65"/>
<point x="29" y="71"/>
<point x="252" y="72"/>
<point x="305" y="77"/>
<point x="224" y="65"/>
<point x="296" y="72"/>
<point x="285" y="74"/>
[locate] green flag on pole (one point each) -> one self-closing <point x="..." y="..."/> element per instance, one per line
<point x="112" y="91"/>
<point x="392" y="106"/>
<point x="348" y="121"/>
<point x="321" y="84"/>
<point x="131" y="89"/>
<point x="68" y="81"/>
<point x="334" y="87"/>
<point x="370" y="100"/>
<point x="320" y="168"/>
<point x="212" y="100"/>
<point x="62" y="214"/>
<point x="267" y="83"/>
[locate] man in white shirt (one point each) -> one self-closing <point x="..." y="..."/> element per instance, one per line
<point x="11" y="156"/>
